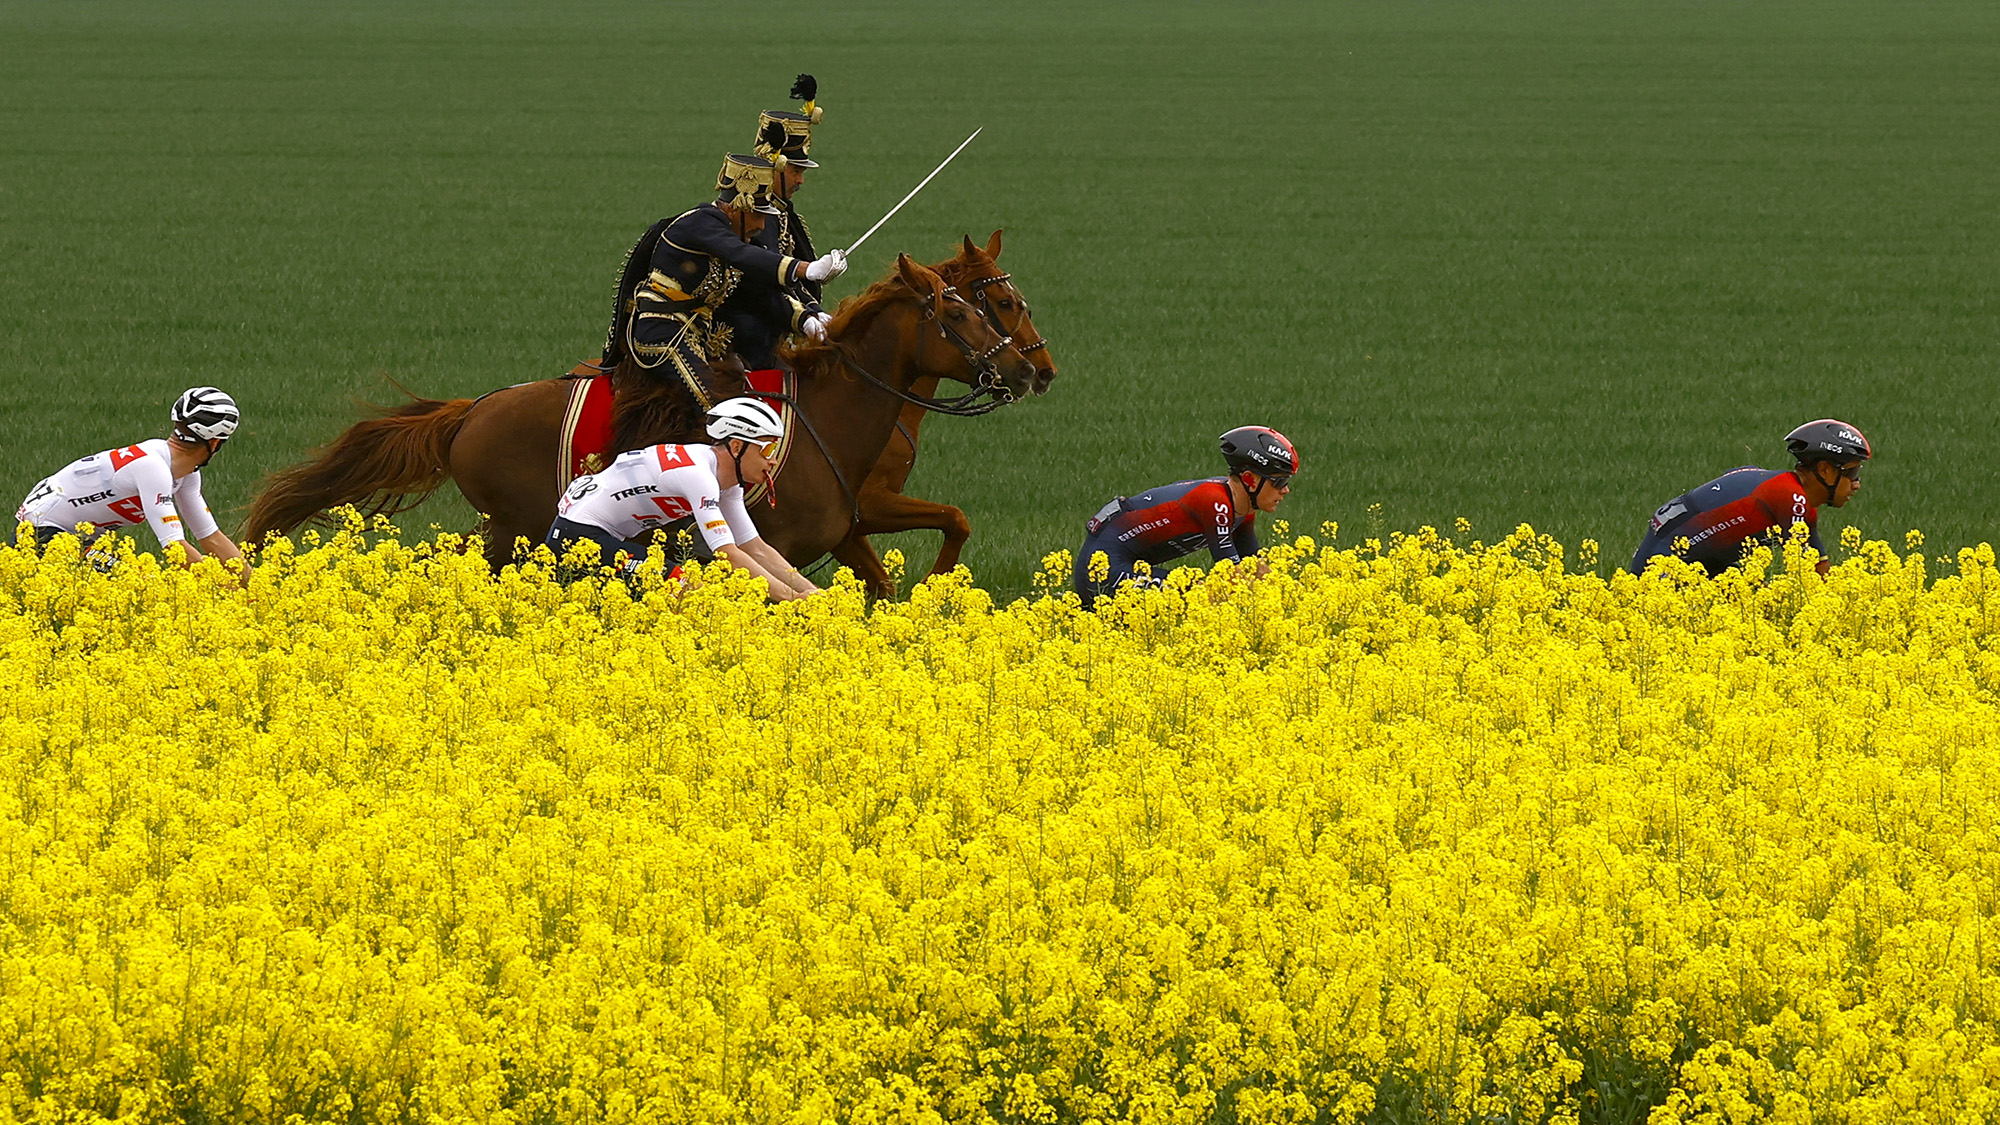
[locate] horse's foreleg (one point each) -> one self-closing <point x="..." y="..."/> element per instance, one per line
<point x="858" y="555"/>
<point x="885" y="512"/>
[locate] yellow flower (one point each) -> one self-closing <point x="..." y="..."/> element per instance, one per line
<point x="1413" y="830"/>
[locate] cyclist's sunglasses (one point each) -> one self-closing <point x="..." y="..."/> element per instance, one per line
<point x="770" y="449"/>
<point x="1851" y="472"/>
<point x="1279" y="483"/>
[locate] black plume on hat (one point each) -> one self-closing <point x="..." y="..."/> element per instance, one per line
<point x="805" y="88"/>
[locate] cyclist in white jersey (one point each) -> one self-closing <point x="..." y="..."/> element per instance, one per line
<point x="156" y="482"/>
<point x="699" y="488"/>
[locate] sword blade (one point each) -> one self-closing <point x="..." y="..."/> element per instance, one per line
<point x="913" y="192"/>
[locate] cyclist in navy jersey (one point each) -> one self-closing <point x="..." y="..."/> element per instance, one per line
<point x="1165" y="523"/>
<point x="1713" y="525"/>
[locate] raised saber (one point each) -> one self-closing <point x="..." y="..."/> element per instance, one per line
<point x="913" y="193"/>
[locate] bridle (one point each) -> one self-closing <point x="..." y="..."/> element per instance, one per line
<point x="978" y="289"/>
<point x="986" y="384"/>
<point x="987" y="376"/>
<point x="979" y="360"/>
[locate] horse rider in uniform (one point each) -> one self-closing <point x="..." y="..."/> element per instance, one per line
<point x="759" y="320"/>
<point x="684" y="269"/>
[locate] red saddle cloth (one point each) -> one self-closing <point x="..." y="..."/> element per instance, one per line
<point x="767" y="382"/>
<point x="776" y="387"/>
<point x="586" y="428"/>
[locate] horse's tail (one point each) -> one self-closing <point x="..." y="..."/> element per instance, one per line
<point x="385" y="464"/>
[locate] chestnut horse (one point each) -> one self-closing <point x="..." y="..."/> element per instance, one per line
<point x="501" y="447"/>
<point x="884" y="508"/>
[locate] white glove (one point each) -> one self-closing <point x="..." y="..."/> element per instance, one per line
<point x="827" y="268"/>
<point x="814" y="326"/>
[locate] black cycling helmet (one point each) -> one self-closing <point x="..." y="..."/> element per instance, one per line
<point x="1828" y="439"/>
<point x="1261" y="450"/>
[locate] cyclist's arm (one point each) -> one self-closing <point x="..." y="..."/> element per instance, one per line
<point x="1781" y="521"/>
<point x="723" y="523"/>
<point x="1211" y="511"/>
<point x="1247" y="544"/>
<point x="199" y="524"/>
<point x="155" y="487"/>
<point x="778" y="589"/>
<point x="779" y="567"/>
<point x="745" y="532"/>
<point x="1813" y="541"/>
<point x="219" y="545"/>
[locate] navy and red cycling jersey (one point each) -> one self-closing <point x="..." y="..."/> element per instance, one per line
<point x="1160" y="525"/>
<point x="1718" y="520"/>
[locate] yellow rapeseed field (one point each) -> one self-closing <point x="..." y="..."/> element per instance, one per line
<point x="1407" y="831"/>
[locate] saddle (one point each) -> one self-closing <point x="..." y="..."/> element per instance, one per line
<point x="586" y="428"/>
<point x="778" y="389"/>
<point x="585" y="437"/>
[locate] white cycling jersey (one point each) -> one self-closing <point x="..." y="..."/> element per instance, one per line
<point x="648" y="488"/>
<point x="121" y="487"/>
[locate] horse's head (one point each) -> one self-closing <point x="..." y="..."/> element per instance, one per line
<point x="976" y="273"/>
<point x="955" y="340"/>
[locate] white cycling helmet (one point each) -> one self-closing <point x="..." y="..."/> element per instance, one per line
<point x="746" y="418"/>
<point x="204" y="414"/>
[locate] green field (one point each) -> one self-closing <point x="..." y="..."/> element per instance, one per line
<point x="1543" y="262"/>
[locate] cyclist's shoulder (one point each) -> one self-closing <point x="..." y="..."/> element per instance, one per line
<point x="668" y="456"/>
<point x="1185" y="492"/>
<point x="1778" y="482"/>
<point x="149" y="458"/>
<point x="1733" y="485"/>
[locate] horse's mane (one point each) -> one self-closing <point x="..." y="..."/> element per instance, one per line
<point x="853" y="314"/>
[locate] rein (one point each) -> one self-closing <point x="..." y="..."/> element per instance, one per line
<point x="964" y="406"/>
<point x="980" y="361"/>
<point x="840" y="478"/>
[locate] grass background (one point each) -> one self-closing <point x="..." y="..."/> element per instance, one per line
<point x="1549" y="262"/>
